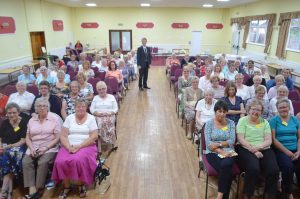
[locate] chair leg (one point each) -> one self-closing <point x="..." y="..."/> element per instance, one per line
<point x="186" y="127"/>
<point x="170" y="84"/>
<point x="238" y="187"/>
<point x="206" y="188"/>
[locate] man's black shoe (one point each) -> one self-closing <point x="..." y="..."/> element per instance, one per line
<point x="141" y="89"/>
<point x="147" y="87"/>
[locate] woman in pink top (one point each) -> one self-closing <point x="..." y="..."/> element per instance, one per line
<point x="114" y="72"/>
<point x="42" y="138"/>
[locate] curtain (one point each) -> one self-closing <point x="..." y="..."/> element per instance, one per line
<point x="271" y="21"/>
<point x="246" y="32"/>
<point x="284" y="23"/>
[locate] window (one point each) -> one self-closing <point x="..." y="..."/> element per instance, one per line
<point x="294" y="35"/>
<point x="258" y="31"/>
<point x="120" y="39"/>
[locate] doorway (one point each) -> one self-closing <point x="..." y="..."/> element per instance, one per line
<point x="37" y="42"/>
<point x="120" y="39"/>
<point x="196" y="43"/>
<point x="235" y="40"/>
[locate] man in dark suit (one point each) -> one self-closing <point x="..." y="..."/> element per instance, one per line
<point x="143" y="63"/>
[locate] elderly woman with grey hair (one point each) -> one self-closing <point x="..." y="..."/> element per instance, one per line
<point x="282" y="93"/>
<point x="104" y="107"/>
<point x="23" y="98"/>
<point x="60" y="88"/>
<point x="257" y="81"/>
<point x="260" y="92"/>
<point x="12" y="134"/>
<point x="42" y="141"/>
<point x="205" y="108"/>
<point x="26" y="76"/>
<point x="279" y="80"/>
<point x="191" y="96"/>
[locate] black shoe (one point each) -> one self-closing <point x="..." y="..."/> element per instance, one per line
<point x="146" y="87"/>
<point x="141" y="89"/>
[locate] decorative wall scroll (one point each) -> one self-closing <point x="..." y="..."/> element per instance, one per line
<point x="7" y="25"/>
<point x="144" y="25"/>
<point x="58" y="25"/>
<point x="180" y="25"/>
<point x="89" y="25"/>
<point x="214" y="26"/>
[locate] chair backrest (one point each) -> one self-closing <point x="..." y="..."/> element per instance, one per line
<point x="101" y="75"/>
<point x="155" y="50"/>
<point x="294" y="95"/>
<point x="31" y="88"/>
<point x="93" y="81"/>
<point x="174" y="67"/>
<point x="197" y="71"/>
<point x="296" y="106"/>
<point x="95" y="69"/>
<point x="112" y="82"/>
<point x="223" y="82"/>
<point x="10" y="89"/>
<point x="203" y="144"/>
<point x="177" y="74"/>
<point x="246" y="78"/>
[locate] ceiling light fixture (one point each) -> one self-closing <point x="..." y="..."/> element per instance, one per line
<point x="145" y="4"/>
<point x="207" y="5"/>
<point x="91" y="4"/>
<point x="223" y="0"/>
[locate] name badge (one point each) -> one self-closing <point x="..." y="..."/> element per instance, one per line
<point x="17" y="128"/>
<point x="258" y="126"/>
<point x="284" y="123"/>
<point x="225" y="128"/>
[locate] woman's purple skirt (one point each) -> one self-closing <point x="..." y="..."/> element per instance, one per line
<point x="80" y="166"/>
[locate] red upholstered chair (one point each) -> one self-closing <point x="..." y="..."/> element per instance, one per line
<point x="178" y="73"/>
<point x="296" y="106"/>
<point x="101" y="75"/>
<point x="10" y="89"/>
<point x="31" y="88"/>
<point x="172" y="73"/>
<point x="113" y="85"/>
<point x="223" y="82"/>
<point x="208" y="169"/>
<point x="294" y="95"/>
<point x="93" y="81"/>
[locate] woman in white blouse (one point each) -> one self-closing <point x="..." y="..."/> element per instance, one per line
<point x="282" y="93"/>
<point x="242" y="90"/>
<point x="23" y="98"/>
<point x="104" y="107"/>
<point x="257" y="80"/>
<point x="205" y="108"/>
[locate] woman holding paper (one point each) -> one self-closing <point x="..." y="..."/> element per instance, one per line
<point x="254" y="152"/>
<point x="220" y="138"/>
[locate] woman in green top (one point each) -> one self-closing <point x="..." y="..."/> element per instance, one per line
<point x="254" y="152"/>
<point x="285" y="134"/>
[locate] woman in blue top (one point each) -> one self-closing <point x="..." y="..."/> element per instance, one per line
<point x="235" y="104"/>
<point x="220" y="138"/>
<point x="285" y="134"/>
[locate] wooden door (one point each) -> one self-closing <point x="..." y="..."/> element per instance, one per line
<point x="37" y="41"/>
<point x="120" y="39"/>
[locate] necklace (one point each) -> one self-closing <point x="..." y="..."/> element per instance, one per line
<point x="207" y="107"/>
<point x="80" y="121"/>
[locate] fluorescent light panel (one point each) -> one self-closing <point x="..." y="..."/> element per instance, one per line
<point x="145" y="4"/>
<point x="223" y="0"/>
<point x="207" y="5"/>
<point x="91" y="4"/>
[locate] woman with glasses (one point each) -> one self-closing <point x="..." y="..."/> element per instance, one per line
<point x="12" y="149"/>
<point x="285" y="134"/>
<point x="254" y="151"/>
<point x="42" y="141"/>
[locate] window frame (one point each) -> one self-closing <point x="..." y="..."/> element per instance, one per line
<point x="288" y="39"/>
<point x="266" y="30"/>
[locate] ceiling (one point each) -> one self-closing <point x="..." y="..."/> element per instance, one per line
<point x="154" y="3"/>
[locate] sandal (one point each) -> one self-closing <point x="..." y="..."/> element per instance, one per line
<point x="35" y="195"/>
<point x="82" y="191"/>
<point x="64" y="193"/>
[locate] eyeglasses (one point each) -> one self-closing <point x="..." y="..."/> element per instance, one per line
<point x="255" y="109"/>
<point x="42" y="106"/>
<point x="282" y="107"/>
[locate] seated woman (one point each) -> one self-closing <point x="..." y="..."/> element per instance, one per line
<point x="260" y="92"/>
<point x="282" y="93"/>
<point x="73" y="64"/>
<point x="23" y="98"/>
<point x="235" y="103"/>
<point x="204" y="81"/>
<point x="254" y="152"/>
<point x="114" y="72"/>
<point x="191" y="96"/>
<point x="44" y="76"/>
<point x="125" y="73"/>
<point x="26" y="77"/>
<point x="172" y="61"/>
<point x="286" y="134"/>
<point x="76" y="160"/>
<point x="217" y="71"/>
<point x="231" y="73"/>
<point x="104" y="107"/>
<point x="86" y="69"/>
<point x="191" y="68"/>
<point x="86" y="89"/>
<point x="42" y="141"/>
<point x="219" y="139"/>
<point x="279" y="81"/>
<point x="54" y="102"/>
<point x="242" y="89"/>
<point x="257" y="72"/>
<point x="257" y="80"/>
<point x="216" y="87"/>
<point x="12" y="134"/>
<point x="264" y="73"/>
<point x="205" y="109"/>
<point x="97" y="62"/>
<point x="3" y="101"/>
<point x="67" y="78"/>
<point x="68" y="102"/>
<point x="183" y="82"/>
<point x="60" y="88"/>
